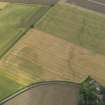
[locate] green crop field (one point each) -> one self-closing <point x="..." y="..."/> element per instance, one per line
<point x="76" y="25"/>
<point x="13" y="23"/>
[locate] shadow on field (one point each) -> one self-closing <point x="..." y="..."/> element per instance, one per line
<point x="46" y="93"/>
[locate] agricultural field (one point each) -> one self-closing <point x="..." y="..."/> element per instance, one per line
<point x="33" y="59"/>
<point x="44" y="42"/>
<point x="69" y="58"/>
<point x="11" y="29"/>
<point x="77" y="25"/>
<point x="13" y="23"/>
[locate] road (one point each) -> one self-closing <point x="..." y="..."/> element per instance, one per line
<point x="95" y="5"/>
<point x="48" y="93"/>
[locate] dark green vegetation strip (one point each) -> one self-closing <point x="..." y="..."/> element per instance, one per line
<point x="76" y="25"/>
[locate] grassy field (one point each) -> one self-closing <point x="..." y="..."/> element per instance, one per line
<point x="13" y="23"/>
<point x="33" y="59"/>
<point x="76" y="25"/>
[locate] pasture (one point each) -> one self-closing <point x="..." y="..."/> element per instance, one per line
<point x="76" y="25"/>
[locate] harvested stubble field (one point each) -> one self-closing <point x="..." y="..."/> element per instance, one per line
<point x="33" y="59"/>
<point x="76" y="25"/>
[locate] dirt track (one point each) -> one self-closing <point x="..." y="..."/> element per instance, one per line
<point x="48" y="93"/>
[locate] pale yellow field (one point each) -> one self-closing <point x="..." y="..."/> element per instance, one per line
<point x="3" y="5"/>
<point x="40" y="56"/>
